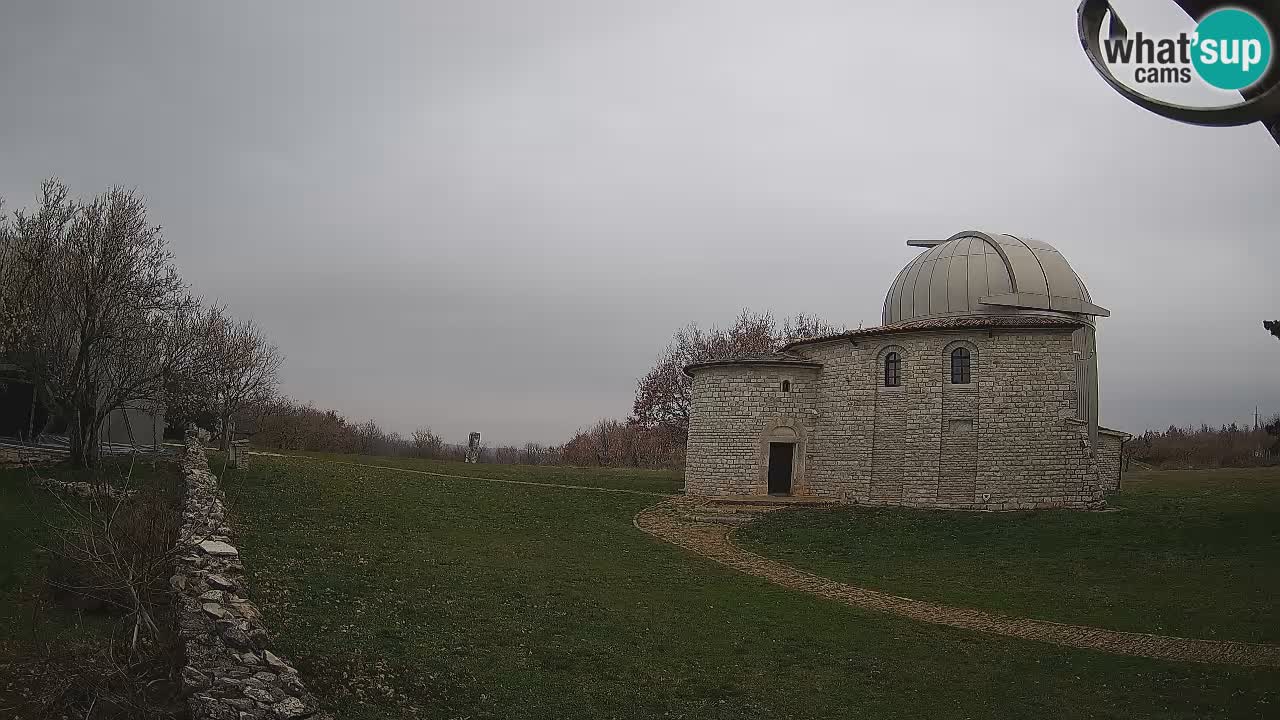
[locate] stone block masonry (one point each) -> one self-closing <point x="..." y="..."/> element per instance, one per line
<point x="1110" y="445"/>
<point x="1009" y="439"/>
<point x="231" y="673"/>
<point x="730" y="421"/>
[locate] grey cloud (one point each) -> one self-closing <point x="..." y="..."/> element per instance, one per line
<point x="492" y="215"/>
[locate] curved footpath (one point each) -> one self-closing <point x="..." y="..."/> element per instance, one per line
<point x="677" y="521"/>
<point x="693" y="524"/>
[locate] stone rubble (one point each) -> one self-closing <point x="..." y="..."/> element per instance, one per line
<point x="83" y="489"/>
<point x="230" y="672"/>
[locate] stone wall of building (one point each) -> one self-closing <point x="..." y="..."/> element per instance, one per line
<point x="735" y="409"/>
<point x="231" y="673"/>
<point x="1002" y="442"/>
<point x="1110" y="444"/>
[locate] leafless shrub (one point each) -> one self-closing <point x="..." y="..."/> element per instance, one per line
<point x="118" y="553"/>
<point x="427" y="444"/>
<point x="239" y="373"/>
<point x="114" y="556"/>
<point x="613" y="443"/>
<point x="538" y="454"/>
<point x="88" y="678"/>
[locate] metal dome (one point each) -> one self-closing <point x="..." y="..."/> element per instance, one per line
<point x="978" y="273"/>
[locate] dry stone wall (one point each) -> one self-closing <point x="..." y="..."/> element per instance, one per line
<point x="1006" y="441"/>
<point x="231" y="673"/>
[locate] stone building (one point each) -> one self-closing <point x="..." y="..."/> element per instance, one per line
<point x="979" y="391"/>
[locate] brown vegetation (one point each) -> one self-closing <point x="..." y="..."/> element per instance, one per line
<point x="1206" y="447"/>
<point x="109" y="558"/>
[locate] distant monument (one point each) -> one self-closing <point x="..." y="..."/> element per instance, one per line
<point x="473" y="448"/>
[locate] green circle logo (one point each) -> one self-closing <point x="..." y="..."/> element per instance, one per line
<point x="1232" y="49"/>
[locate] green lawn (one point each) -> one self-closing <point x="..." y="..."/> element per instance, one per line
<point x="405" y="596"/>
<point x="1192" y="553"/>
<point x="658" y="481"/>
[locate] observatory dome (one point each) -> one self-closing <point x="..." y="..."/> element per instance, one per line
<point x="974" y="273"/>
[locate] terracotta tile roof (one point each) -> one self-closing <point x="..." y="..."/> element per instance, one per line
<point x="945" y="323"/>
<point x="949" y="323"/>
<point x="782" y="357"/>
<point x="766" y="358"/>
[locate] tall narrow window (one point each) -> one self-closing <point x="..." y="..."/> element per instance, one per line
<point x="960" y="366"/>
<point x="786" y="386"/>
<point x="892" y="370"/>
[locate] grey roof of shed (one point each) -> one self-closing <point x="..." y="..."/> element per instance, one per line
<point x="979" y="273"/>
<point x="763" y="359"/>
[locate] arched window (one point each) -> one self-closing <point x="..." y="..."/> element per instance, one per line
<point x="786" y="386"/>
<point x="892" y="370"/>
<point x="960" y="366"/>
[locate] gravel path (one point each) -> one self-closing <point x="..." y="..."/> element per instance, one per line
<point x="669" y="520"/>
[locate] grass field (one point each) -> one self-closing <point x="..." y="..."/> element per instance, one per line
<point x="1191" y="553"/>
<point x="404" y="595"/>
<point x="658" y="481"/>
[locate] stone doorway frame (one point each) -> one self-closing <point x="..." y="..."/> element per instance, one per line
<point x="782" y="430"/>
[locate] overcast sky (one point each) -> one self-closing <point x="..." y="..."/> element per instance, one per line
<point x="492" y="215"/>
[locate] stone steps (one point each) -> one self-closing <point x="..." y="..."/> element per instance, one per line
<point x="771" y="502"/>
<point x="739" y="509"/>
<point x="732" y="519"/>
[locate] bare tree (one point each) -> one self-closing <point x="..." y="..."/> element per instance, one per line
<point x="602" y="436"/>
<point x="245" y="370"/>
<point x="427" y="444"/>
<point x="535" y="454"/>
<point x="94" y="309"/>
<point x="368" y="437"/>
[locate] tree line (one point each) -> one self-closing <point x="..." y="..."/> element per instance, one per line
<point x="1208" y="447"/>
<point x="285" y="424"/>
<point x="95" y="315"/>
<point x="654" y="436"/>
